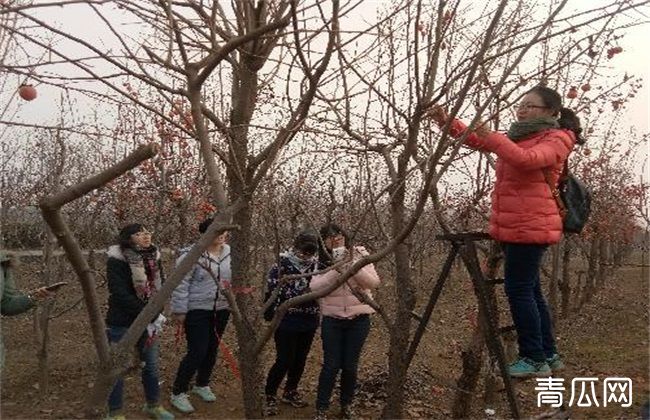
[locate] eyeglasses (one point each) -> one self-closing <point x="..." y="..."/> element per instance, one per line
<point x="143" y="232"/>
<point x="530" y="106"/>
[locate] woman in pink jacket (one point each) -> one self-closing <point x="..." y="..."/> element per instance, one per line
<point x="346" y="320"/>
<point x="525" y="216"/>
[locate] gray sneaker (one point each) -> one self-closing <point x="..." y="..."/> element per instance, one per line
<point x="555" y="362"/>
<point x="205" y="393"/>
<point x="182" y="403"/>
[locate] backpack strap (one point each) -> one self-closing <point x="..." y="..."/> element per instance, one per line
<point x="217" y="279"/>
<point x="554" y="188"/>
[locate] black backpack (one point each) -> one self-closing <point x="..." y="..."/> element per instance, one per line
<point x="573" y="198"/>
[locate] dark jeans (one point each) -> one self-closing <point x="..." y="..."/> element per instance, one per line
<point x="291" y="350"/>
<point x="203" y="330"/>
<point x="342" y="343"/>
<point x="530" y="312"/>
<point x="149" y="355"/>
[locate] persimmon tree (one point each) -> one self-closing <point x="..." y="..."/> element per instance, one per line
<point x="423" y="56"/>
<point x="189" y="51"/>
<point x="249" y="105"/>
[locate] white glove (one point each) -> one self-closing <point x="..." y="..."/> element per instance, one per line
<point x="156" y="326"/>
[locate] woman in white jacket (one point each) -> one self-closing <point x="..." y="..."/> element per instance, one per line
<point x="346" y="320"/>
<point x="204" y="312"/>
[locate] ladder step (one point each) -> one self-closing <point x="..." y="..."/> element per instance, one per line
<point x="509" y="328"/>
<point x="416" y="316"/>
<point x="460" y="236"/>
<point x="495" y="281"/>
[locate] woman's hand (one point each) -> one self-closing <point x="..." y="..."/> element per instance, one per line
<point x="437" y="114"/>
<point x="344" y="261"/>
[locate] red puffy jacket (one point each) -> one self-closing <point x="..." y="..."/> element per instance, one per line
<point x="523" y="207"/>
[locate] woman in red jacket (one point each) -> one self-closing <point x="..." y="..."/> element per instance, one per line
<point x="525" y="216"/>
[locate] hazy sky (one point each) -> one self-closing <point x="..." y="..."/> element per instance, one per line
<point x="635" y="60"/>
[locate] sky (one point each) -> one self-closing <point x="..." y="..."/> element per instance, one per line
<point x="635" y="60"/>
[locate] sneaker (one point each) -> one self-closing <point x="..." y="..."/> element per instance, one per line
<point x="158" y="412"/>
<point x="347" y="412"/>
<point x="115" y="416"/>
<point x="293" y="398"/>
<point x="271" y="407"/>
<point x="320" y="415"/>
<point x="182" y="403"/>
<point x="555" y="363"/>
<point x="526" y="368"/>
<point x="205" y="393"/>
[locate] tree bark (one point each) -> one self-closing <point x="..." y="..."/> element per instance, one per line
<point x="472" y="355"/>
<point x="249" y="325"/>
<point x="400" y="332"/>
<point x="645" y="254"/>
<point x="42" y="316"/>
<point x="592" y="269"/>
<point x="603" y="260"/>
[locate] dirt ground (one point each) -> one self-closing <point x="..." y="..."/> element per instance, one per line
<point x="608" y="338"/>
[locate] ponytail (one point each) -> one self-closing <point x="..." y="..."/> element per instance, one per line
<point x="569" y="120"/>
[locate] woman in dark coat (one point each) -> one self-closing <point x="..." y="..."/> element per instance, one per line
<point x="134" y="274"/>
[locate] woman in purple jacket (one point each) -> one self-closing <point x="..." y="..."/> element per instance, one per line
<point x="296" y="331"/>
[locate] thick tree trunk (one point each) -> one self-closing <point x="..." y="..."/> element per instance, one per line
<point x="472" y="359"/>
<point x="42" y="317"/>
<point x="603" y="261"/>
<point x="397" y="373"/>
<point x="96" y="401"/>
<point x="400" y="333"/>
<point x="618" y="251"/>
<point x="645" y="255"/>
<point x="590" y="281"/>
<point x="252" y="375"/>
<point x="472" y="355"/>
<point x="250" y="363"/>
<point x="400" y="330"/>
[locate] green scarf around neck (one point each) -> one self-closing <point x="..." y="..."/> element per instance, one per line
<point x="522" y="129"/>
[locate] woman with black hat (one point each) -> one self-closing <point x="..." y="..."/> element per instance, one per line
<point x="294" y="335"/>
<point x="134" y="273"/>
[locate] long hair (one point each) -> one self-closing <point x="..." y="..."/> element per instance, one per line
<point x="124" y="237"/>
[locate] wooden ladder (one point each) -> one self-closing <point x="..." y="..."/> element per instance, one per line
<point x="465" y="245"/>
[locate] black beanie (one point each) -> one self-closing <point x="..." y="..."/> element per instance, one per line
<point x="306" y="242"/>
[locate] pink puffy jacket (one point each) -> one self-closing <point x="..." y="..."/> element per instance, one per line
<point x="523" y="207"/>
<point x="342" y="303"/>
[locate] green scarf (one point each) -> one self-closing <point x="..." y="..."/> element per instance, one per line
<point x="522" y="129"/>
